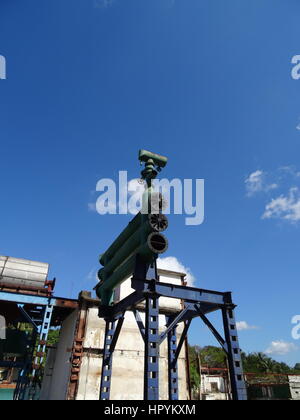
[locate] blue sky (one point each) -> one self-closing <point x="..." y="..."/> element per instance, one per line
<point x="207" y="83"/>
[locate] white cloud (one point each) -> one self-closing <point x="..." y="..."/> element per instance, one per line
<point x="173" y="264"/>
<point x="257" y="182"/>
<point x="284" y="207"/>
<point x="254" y="182"/>
<point x="244" y="326"/>
<point x="289" y="172"/>
<point x="288" y="169"/>
<point x="281" y="348"/>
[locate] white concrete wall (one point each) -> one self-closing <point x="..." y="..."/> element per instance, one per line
<point x="208" y="391"/>
<point x="164" y="303"/>
<point x="58" y="366"/>
<point x="295" y="387"/>
<point x="48" y="375"/>
<point x="128" y="362"/>
<point x="207" y="381"/>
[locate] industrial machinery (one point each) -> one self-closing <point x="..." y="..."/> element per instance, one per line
<point x="135" y="252"/>
<point x="29" y="310"/>
<point x="21" y="274"/>
<point x="142" y="237"/>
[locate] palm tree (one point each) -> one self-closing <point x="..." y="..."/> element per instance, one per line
<point x="265" y="363"/>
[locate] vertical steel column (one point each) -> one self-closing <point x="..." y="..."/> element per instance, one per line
<point x="172" y="365"/>
<point x="238" y="386"/>
<point x="112" y="332"/>
<point x="151" y="369"/>
<point x="107" y="360"/>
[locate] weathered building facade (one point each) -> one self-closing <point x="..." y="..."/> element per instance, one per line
<point x="73" y="369"/>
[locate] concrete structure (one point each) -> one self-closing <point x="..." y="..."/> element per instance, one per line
<point x="23" y="273"/>
<point x="294" y="382"/>
<point x="214" y="387"/>
<point x="58" y="367"/>
<point x="73" y="370"/>
<point x="26" y="298"/>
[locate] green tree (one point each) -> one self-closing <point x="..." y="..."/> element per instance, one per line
<point x="194" y="366"/>
<point x="53" y="337"/>
<point x="213" y="357"/>
<point x="297" y="368"/>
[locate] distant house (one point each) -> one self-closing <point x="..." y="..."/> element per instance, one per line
<point x="294" y="382"/>
<point x="214" y="387"/>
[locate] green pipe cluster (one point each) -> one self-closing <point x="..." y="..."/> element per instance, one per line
<point x="141" y="237"/>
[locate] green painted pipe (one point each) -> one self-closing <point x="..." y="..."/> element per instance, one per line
<point x="133" y="225"/>
<point x="156" y="243"/>
<point x="128" y="247"/>
<point x="150" y="223"/>
<point x="105" y="289"/>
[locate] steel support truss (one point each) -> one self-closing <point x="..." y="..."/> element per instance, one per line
<point x="197" y="303"/>
<point x="40" y="319"/>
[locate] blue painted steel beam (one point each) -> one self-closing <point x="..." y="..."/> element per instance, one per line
<point x="125" y="304"/>
<point x="117" y="333"/>
<point x="140" y="323"/>
<point x="181" y="341"/>
<point x="210" y="301"/>
<point x="212" y="329"/>
<point x="172" y="363"/>
<point x="151" y="369"/>
<point x="112" y="332"/>
<point x="189" y="294"/>
<point x="27" y="316"/>
<point x="237" y="380"/>
<point x="173" y="322"/>
<point x="205" y="309"/>
<point x="26" y="299"/>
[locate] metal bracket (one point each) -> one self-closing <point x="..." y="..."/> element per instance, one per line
<point x="139" y="323"/>
<point x="212" y="329"/>
<point x="27" y="316"/>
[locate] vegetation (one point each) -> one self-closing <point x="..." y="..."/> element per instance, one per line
<point x="214" y="357"/>
<point x="53" y="337"/>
